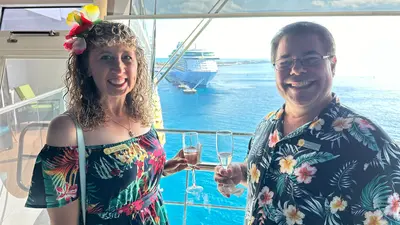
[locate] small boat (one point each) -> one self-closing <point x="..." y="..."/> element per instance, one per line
<point x="183" y="86"/>
<point x="189" y="91"/>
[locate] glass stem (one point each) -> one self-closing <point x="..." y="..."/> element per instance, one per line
<point x="193" y="178"/>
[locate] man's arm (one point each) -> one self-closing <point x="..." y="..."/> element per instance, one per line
<point x="377" y="181"/>
<point x="243" y="166"/>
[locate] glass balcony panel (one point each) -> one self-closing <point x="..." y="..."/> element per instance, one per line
<point x="202" y="216"/>
<point x="16" y="166"/>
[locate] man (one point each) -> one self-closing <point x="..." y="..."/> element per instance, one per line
<point x="315" y="161"/>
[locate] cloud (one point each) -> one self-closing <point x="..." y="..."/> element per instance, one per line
<point x="359" y="4"/>
<point x="191" y="6"/>
<point x="196" y="6"/>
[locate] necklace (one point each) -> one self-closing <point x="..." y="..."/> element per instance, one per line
<point x="131" y="134"/>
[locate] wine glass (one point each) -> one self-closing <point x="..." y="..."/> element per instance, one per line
<point x="224" y="146"/>
<point x="191" y="150"/>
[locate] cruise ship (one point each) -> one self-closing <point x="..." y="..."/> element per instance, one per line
<point x="196" y="68"/>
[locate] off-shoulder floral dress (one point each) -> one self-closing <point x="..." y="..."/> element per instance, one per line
<point x="122" y="181"/>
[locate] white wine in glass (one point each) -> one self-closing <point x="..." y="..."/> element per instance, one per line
<point x="224" y="146"/>
<point x="225" y="158"/>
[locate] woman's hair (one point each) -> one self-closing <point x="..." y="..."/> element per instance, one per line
<point x="84" y="97"/>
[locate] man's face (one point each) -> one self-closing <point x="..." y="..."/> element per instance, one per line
<point x="304" y="72"/>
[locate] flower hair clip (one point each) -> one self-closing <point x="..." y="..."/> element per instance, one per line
<point x="81" y="22"/>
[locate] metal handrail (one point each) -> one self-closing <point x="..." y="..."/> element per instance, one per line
<point x="31" y="100"/>
<point x="205" y="205"/>
<point x="254" y="14"/>
<point x="3" y="214"/>
<point x="180" y="131"/>
<point x="185" y="201"/>
<point x="21" y="151"/>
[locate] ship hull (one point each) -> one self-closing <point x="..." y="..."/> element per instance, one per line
<point x="192" y="78"/>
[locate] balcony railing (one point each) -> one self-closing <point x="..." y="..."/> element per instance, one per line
<point x="23" y="159"/>
<point x="19" y="160"/>
<point x="203" y="166"/>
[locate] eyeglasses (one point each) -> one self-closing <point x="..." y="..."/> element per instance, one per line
<point x="306" y="61"/>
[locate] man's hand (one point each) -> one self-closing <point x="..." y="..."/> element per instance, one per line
<point x="226" y="178"/>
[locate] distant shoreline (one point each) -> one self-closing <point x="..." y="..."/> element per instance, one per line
<point x="228" y="62"/>
<point x="241" y="62"/>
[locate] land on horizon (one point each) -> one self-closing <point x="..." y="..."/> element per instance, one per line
<point x="221" y="62"/>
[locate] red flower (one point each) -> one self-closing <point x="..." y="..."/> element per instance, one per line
<point x="79" y="29"/>
<point x="157" y="163"/>
<point x="139" y="165"/>
<point x="130" y="208"/>
<point x="77" y="45"/>
<point x="68" y="45"/>
<point x="68" y="192"/>
<point x="115" y="172"/>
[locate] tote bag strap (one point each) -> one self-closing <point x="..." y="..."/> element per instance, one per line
<point x="82" y="165"/>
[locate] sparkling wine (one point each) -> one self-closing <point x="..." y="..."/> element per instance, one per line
<point x="225" y="158"/>
<point x="191" y="155"/>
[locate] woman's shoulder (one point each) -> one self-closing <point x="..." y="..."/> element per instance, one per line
<point x="61" y="132"/>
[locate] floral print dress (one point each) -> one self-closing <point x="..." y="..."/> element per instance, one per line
<point x="121" y="182"/>
<point x="338" y="169"/>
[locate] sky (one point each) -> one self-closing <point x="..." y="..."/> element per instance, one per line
<point x="250" y="37"/>
<point x="365" y="45"/>
<point x="360" y="41"/>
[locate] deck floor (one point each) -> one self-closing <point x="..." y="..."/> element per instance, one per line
<point x="12" y="197"/>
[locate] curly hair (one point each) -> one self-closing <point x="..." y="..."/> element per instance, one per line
<point x="83" y="96"/>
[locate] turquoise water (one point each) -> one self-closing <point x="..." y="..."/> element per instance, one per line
<point x="237" y="99"/>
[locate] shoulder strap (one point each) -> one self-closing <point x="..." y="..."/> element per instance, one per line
<point x="82" y="165"/>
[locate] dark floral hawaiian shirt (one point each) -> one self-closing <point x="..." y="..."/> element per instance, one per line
<point x="340" y="168"/>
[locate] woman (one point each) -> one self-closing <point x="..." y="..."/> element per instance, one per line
<point x="110" y="98"/>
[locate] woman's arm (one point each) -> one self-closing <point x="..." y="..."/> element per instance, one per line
<point x="66" y="215"/>
<point x="61" y="133"/>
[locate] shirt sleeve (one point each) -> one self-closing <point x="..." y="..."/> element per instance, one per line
<point x="375" y="198"/>
<point x="55" y="178"/>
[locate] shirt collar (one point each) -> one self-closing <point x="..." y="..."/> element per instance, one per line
<point x="335" y="102"/>
<point x="277" y="117"/>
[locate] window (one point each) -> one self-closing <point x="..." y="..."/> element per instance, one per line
<point x="35" y="19"/>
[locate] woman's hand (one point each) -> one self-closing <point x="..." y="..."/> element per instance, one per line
<point x="179" y="163"/>
<point x="175" y="164"/>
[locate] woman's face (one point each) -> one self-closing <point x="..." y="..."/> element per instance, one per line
<point x="114" y="70"/>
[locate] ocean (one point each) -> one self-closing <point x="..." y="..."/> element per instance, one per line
<point x="237" y="99"/>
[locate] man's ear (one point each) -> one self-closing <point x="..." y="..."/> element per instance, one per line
<point x="333" y="65"/>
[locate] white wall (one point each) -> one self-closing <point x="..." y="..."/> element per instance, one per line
<point x="43" y="75"/>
